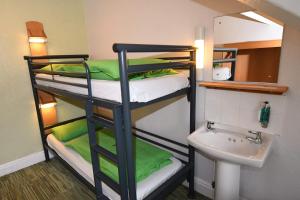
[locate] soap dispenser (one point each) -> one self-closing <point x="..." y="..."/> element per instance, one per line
<point x="264" y="115"/>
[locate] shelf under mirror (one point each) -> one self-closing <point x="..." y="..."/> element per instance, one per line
<point x="269" y="88"/>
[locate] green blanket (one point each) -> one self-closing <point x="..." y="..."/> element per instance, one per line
<point x="148" y="158"/>
<point x="109" y="69"/>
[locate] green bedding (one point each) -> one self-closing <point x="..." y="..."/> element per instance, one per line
<point x="148" y="157"/>
<point x="109" y="69"/>
<point x="71" y="130"/>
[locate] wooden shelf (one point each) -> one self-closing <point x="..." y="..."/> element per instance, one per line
<point x="255" y="44"/>
<point x="269" y="88"/>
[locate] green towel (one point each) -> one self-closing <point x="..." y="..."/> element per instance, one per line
<point x="148" y="158"/>
<point x="109" y="69"/>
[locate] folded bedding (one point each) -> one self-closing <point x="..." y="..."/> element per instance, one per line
<point x="148" y="158"/>
<point x="109" y="69"/>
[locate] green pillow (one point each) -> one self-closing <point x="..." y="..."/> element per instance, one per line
<point x="71" y="130"/>
<point x="109" y="69"/>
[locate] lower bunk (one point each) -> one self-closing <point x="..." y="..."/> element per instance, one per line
<point x="146" y="183"/>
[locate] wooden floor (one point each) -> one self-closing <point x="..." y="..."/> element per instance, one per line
<point x="52" y="181"/>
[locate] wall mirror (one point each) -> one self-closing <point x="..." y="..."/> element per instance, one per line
<point x="247" y="48"/>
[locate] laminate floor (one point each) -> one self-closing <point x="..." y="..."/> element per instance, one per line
<point x="52" y="181"/>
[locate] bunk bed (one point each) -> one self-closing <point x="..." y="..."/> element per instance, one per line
<point x="81" y="86"/>
<point x="226" y="56"/>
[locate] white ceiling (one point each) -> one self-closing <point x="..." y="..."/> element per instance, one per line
<point x="285" y="11"/>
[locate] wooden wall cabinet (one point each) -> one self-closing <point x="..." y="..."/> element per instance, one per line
<point x="257" y="61"/>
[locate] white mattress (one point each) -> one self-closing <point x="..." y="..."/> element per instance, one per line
<point x="140" y="90"/>
<point x="84" y="168"/>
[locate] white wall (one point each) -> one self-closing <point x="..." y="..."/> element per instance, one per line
<point x="241" y="109"/>
<point x="154" y="22"/>
<point x="229" y="29"/>
<point x="279" y="177"/>
<point x="142" y="21"/>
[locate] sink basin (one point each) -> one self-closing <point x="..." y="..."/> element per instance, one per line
<point x="231" y="146"/>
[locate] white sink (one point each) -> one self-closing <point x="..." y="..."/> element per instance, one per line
<point x="230" y="146"/>
<point x="230" y="149"/>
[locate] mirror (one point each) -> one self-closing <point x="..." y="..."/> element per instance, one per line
<point x="246" y="48"/>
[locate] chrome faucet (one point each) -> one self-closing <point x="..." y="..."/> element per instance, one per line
<point x="209" y="125"/>
<point x="257" y="139"/>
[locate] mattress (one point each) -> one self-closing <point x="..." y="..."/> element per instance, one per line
<point x="84" y="168"/>
<point x="140" y="90"/>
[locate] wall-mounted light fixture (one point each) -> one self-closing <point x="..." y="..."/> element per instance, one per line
<point x="37" y="39"/>
<point x="46" y="100"/>
<point x="199" y="44"/>
<point x="254" y="15"/>
<point x="35" y="32"/>
<point x="47" y="107"/>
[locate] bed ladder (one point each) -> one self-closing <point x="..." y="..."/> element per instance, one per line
<point x="119" y="159"/>
<point x="96" y="150"/>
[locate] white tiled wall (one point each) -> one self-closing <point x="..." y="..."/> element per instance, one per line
<point x="241" y="109"/>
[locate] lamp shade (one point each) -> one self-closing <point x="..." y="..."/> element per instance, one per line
<point x="45" y="98"/>
<point x="35" y="32"/>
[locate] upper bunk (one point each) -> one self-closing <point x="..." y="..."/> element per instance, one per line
<point x="111" y="93"/>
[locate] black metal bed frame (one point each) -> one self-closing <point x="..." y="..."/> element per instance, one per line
<point x="121" y="123"/>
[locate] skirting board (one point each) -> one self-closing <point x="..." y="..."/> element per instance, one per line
<point x="203" y="187"/>
<point x="21" y="163"/>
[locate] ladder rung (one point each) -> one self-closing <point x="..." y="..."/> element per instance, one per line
<point x="106" y="153"/>
<point x="226" y="60"/>
<point x="110" y="182"/>
<point x="103" y="121"/>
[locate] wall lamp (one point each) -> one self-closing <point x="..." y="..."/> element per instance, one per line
<point x="199" y="44"/>
<point x="46" y="100"/>
<point x="37" y="39"/>
<point x="35" y="32"/>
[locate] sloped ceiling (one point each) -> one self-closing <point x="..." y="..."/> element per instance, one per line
<point x="292" y="6"/>
<point x="280" y="10"/>
<point x="225" y="6"/>
<point x="287" y="11"/>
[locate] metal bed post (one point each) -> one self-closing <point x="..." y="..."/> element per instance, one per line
<point x="92" y="136"/>
<point x="233" y="64"/>
<point x="192" y="98"/>
<point x="121" y="151"/>
<point x="38" y="110"/>
<point x="127" y="123"/>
